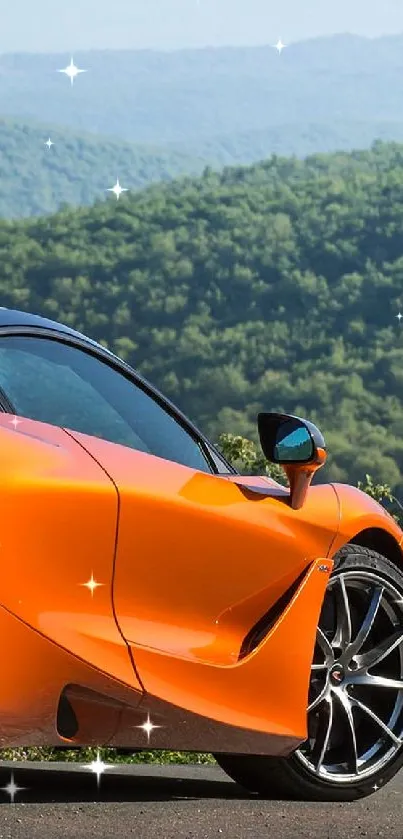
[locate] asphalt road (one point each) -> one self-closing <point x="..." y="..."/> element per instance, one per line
<point x="176" y="802"/>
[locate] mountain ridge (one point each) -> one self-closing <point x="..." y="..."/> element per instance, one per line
<point x="159" y="97"/>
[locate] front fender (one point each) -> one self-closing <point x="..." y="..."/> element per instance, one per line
<point x="358" y="512"/>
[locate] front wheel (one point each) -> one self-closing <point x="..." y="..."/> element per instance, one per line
<point x="355" y="704"/>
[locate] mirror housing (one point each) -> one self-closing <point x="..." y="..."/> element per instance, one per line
<point x="295" y="444"/>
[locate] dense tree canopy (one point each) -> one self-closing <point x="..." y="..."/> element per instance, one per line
<point x="272" y="287"/>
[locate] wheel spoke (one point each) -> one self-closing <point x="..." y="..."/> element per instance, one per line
<point x="346" y="706"/>
<point x="377" y="720"/>
<point x="319" y="698"/>
<point x="374" y="656"/>
<point x="366" y="625"/>
<point x="325" y="646"/>
<point x="325" y="720"/>
<point x="369" y="680"/>
<point x="342" y="637"/>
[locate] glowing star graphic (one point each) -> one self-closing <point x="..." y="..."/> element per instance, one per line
<point x="91" y="584"/>
<point x="117" y="189"/>
<point x="71" y="71"/>
<point x="12" y="788"/>
<point x="49" y="143"/>
<point x="98" y="767"/>
<point x="148" y="727"/>
<point x="399" y="316"/>
<point x="15" y="421"/>
<point x="279" y="46"/>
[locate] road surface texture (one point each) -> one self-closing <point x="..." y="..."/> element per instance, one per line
<point x="176" y="802"/>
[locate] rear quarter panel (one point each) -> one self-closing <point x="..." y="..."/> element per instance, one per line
<point x="58" y="529"/>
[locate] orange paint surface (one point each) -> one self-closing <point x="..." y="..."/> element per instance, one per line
<point x="61" y="514"/>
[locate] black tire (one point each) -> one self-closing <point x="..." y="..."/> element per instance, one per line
<point x="294" y="777"/>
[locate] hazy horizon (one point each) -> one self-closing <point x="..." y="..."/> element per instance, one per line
<point x="83" y="25"/>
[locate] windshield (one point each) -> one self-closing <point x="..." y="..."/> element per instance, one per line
<point x="66" y="386"/>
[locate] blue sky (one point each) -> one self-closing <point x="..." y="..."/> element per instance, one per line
<point x="54" y="26"/>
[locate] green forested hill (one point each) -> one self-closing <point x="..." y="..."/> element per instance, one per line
<point x="76" y="170"/>
<point x="273" y="286"/>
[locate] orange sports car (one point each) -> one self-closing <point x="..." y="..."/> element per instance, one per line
<point x="153" y="598"/>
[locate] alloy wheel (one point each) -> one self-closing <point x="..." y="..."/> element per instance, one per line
<point x="355" y="711"/>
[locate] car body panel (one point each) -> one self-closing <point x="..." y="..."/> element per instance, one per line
<point x="266" y="692"/>
<point x="36" y="672"/>
<point x="183" y="533"/>
<point x="199" y="560"/>
<point x="360" y="512"/>
<point x="61" y="513"/>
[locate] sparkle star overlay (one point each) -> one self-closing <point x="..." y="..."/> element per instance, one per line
<point x="91" y="584"/>
<point x="279" y="46"/>
<point x="71" y="71"/>
<point x="12" y="788"/>
<point x="15" y="421"/>
<point x="49" y="143"/>
<point x="117" y="189"/>
<point x="98" y="767"/>
<point x="148" y="727"/>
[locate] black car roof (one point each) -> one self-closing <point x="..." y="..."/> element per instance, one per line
<point x="13" y="317"/>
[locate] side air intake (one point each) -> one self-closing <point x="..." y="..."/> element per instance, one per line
<point x="267" y="621"/>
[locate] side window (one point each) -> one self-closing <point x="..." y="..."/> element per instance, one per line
<point x="66" y="386"/>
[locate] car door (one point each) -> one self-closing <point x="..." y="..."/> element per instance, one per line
<point x="200" y="559"/>
<point x="200" y="562"/>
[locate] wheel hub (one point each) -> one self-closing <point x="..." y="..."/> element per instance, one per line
<point x="336" y="675"/>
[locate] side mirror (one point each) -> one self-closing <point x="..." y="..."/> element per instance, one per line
<point x="297" y="445"/>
